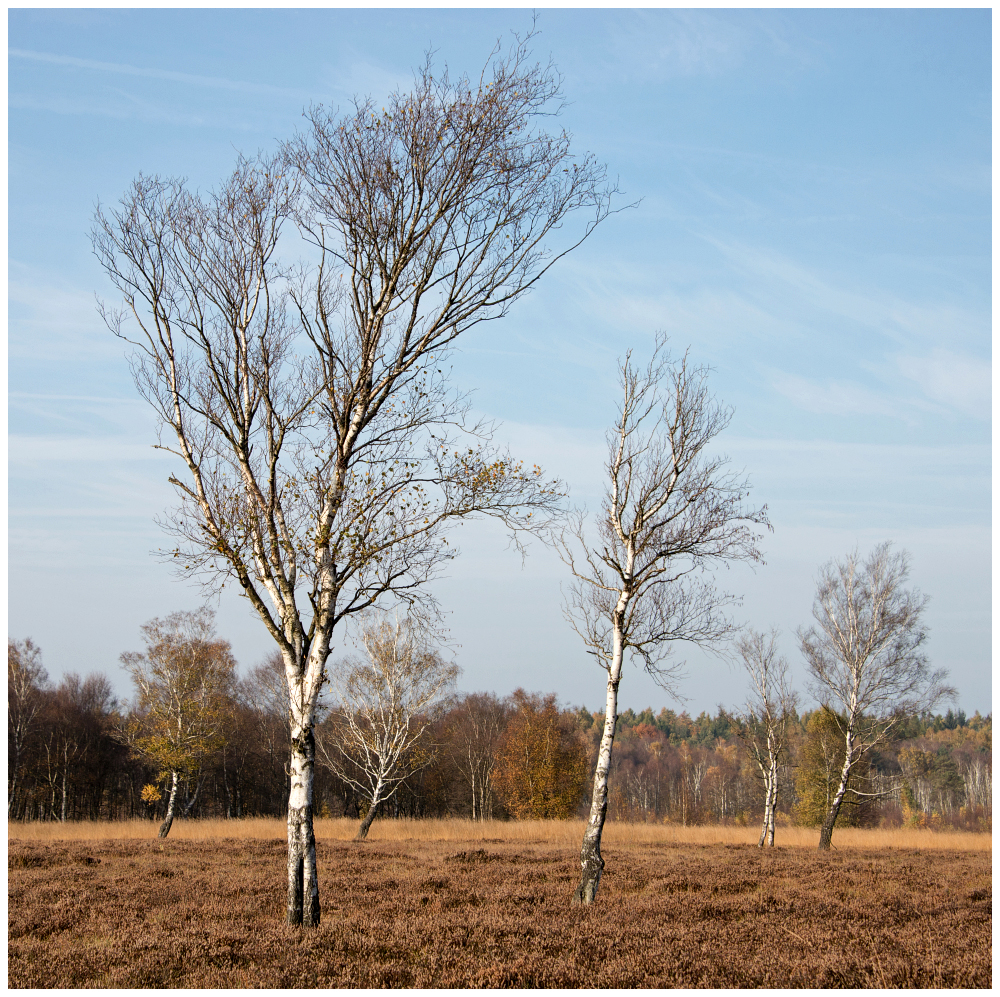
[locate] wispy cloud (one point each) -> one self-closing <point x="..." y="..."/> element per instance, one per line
<point x="664" y="45"/>
<point x="27" y="450"/>
<point x="835" y="397"/>
<point x="899" y="320"/>
<point x="957" y="380"/>
<point x="363" y="78"/>
<point x="129" y="108"/>
<point x="60" y="316"/>
<point x="124" y="69"/>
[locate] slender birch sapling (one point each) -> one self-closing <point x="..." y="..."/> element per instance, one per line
<point x="323" y="452"/>
<point x="476" y="732"/>
<point x="865" y="655"/>
<point x="670" y="512"/>
<point x="762" y="724"/>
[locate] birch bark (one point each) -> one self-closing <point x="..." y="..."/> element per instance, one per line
<point x="303" y="885"/>
<point x="826" y="830"/>
<point x="171" y="802"/>
<point x="376" y="799"/>
<point x="591" y="860"/>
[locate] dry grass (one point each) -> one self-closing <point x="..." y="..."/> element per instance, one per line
<point x="494" y="912"/>
<point x="558" y="833"/>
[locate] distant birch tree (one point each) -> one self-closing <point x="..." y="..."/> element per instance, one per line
<point x="383" y="707"/>
<point x="26" y="678"/>
<point x="865" y="655"/>
<point x="762" y="723"/>
<point x="671" y="511"/>
<point x="323" y="453"/>
<point x="183" y="680"/>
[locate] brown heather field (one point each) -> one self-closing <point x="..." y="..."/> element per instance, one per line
<point x="452" y="904"/>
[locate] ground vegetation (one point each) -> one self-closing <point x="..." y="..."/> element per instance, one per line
<point x="491" y="912"/>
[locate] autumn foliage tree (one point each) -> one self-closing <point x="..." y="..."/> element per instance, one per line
<point x="542" y="762"/>
<point x="183" y="680"/>
<point x="817" y="779"/>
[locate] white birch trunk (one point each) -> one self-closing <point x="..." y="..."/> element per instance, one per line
<point x="64" y="778"/>
<point x="591" y="862"/>
<point x="767" y="809"/>
<point x="169" y="819"/>
<point x="370" y="816"/>
<point x="774" y="803"/>
<point x="304" y="679"/>
<point x="303" y="885"/>
<point x="826" y="831"/>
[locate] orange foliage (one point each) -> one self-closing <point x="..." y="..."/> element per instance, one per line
<point x="542" y="763"/>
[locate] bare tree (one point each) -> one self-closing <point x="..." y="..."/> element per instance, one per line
<point x="671" y="511"/>
<point x="265" y="691"/>
<point x="384" y="704"/>
<point x="476" y="733"/>
<point x="865" y="655"/>
<point x="182" y="680"/>
<point x="26" y="678"/>
<point x="762" y="724"/>
<point x="323" y="452"/>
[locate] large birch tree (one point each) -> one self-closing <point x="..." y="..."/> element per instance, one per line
<point x="865" y="654"/>
<point x="322" y="453"/>
<point x="671" y="511"/>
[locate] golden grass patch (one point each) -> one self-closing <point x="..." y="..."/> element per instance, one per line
<point x="558" y="833"/>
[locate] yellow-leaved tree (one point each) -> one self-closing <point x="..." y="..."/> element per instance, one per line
<point x="182" y="682"/>
<point x="820" y="762"/>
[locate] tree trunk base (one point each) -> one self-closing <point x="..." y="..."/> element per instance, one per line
<point x="165" y="827"/>
<point x="365" y="825"/>
<point x="826" y="835"/>
<point x="303" y="888"/>
<point x="589" y="881"/>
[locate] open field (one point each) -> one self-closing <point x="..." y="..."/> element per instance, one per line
<point x="493" y="911"/>
<point x="559" y="833"/>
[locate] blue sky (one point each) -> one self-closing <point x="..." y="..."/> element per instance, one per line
<point x="814" y="223"/>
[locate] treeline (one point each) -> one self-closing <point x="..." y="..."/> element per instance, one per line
<point x="937" y="772"/>
<point x="71" y="756"/>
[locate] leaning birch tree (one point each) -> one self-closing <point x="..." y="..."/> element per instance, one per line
<point x="322" y="453"/>
<point x="762" y="723"/>
<point x="670" y="512"/>
<point x="865" y="655"/>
